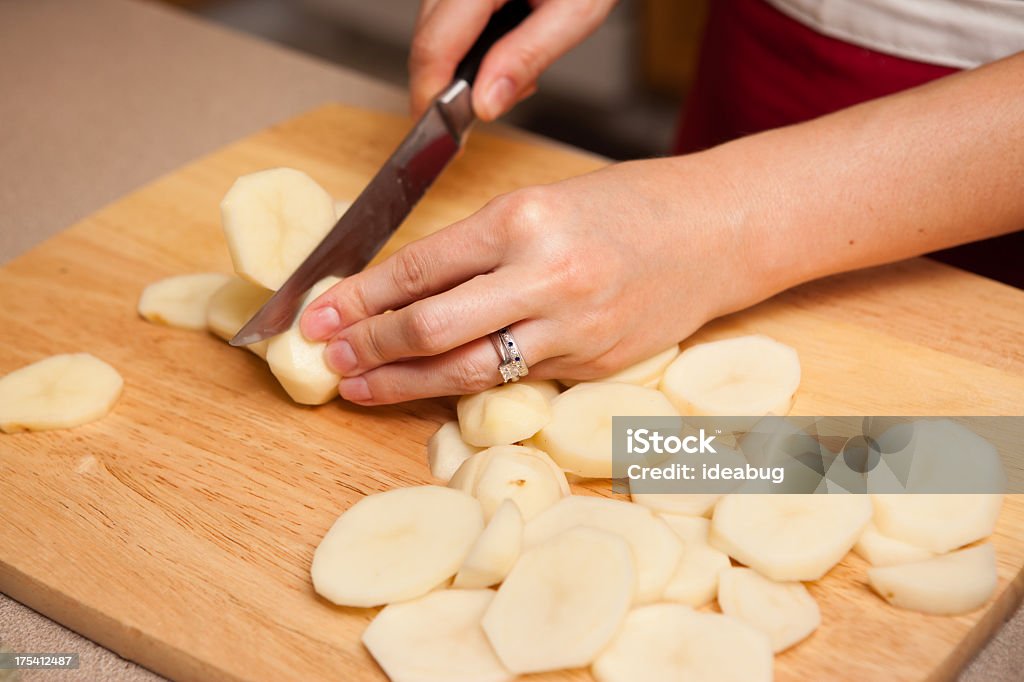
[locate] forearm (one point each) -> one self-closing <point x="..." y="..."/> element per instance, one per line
<point x="923" y="170"/>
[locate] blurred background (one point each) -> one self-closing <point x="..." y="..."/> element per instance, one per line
<point x="616" y="94"/>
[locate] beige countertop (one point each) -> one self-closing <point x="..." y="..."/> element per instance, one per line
<point x="98" y="97"/>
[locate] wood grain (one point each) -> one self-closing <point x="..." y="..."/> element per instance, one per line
<point x="178" y="531"/>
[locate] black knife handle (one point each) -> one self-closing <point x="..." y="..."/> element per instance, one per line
<point x="504" y="20"/>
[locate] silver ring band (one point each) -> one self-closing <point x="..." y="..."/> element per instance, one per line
<point x="513" y="365"/>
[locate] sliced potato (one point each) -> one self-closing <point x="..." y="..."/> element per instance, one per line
<point x="695" y="580"/>
<point x="954" y="583"/>
<point x="502" y="415"/>
<point x="785" y="612"/>
<point x="936" y="522"/>
<point x="273" y="219"/>
<point x="396" y="545"/>
<point x="682" y="504"/>
<point x="526" y="476"/>
<point x="562" y="603"/>
<point x="789" y="536"/>
<point x="58" y="392"/>
<point x="655" y="547"/>
<point x="673" y="642"/>
<point x="646" y="373"/>
<point x="180" y="301"/>
<point x="495" y="551"/>
<point x="689" y="529"/>
<point x="746" y="376"/>
<point x="234" y="304"/>
<point x="579" y="435"/>
<point x="548" y="388"/>
<point x="436" y="638"/>
<point x="446" y="451"/>
<point x="882" y="550"/>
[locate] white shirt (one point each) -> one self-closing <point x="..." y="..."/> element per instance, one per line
<point x="955" y="33"/>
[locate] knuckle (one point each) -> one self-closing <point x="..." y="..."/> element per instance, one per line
<point x="410" y="273"/>
<point x="424" y="330"/>
<point x="526" y="213"/>
<point x="424" y="51"/>
<point x="471" y="377"/>
<point x="369" y="346"/>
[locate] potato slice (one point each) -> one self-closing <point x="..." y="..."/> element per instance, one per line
<point x="789" y="536"/>
<point x="495" y="551"/>
<point x="689" y="529"/>
<point x="549" y="388"/>
<point x="786" y="612"/>
<point x="746" y="376"/>
<point x="562" y="603"/>
<point x="646" y="373"/>
<point x="655" y="547"/>
<point x="396" y="545"/>
<point x="180" y="301"/>
<point x="682" y="504"/>
<point x="436" y="638"/>
<point x="58" y="392"/>
<point x="446" y="451"/>
<point x="526" y="476"/>
<point x="502" y="415"/>
<point x="674" y="642"/>
<point x="273" y="219"/>
<point x="882" y="550"/>
<point x="695" y="580"/>
<point x="955" y="583"/>
<point x="234" y="304"/>
<point x="298" y="364"/>
<point x="579" y="435"/>
<point x="936" y="522"/>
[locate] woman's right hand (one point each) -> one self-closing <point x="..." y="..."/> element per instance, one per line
<point x="445" y="30"/>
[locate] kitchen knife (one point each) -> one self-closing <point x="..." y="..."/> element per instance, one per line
<point x="380" y="209"/>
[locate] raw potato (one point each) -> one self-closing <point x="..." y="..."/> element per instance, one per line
<point x="234" y="304"/>
<point x="436" y="638"/>
<point x="58" y="392"/>
<point x="502" y="415"/>
<point x="689" y="529"/>
<point x="526" y="476"/>
<point x="273" y="219"/>
<point x="562" y="603"/>
<point x="746" y="376"/>
<point x="656" y="549"/>
<point x="673" y="642"/>
<point x="396" y="545"/>
<point x="646" y="373"/>
<point x="549" y="388"/>
<point x="180" y="301"/>
<point x="495" y="551"/>
<point x="882" y="550"/>
<point x="579" y="435"/>
<point x="446" y="451"/>
<point x="785" y="612"/>
<point x="945" y="585"/>
<point x="695" y="581"/>
<point x="937" y="522"/>
<point x="340" y="207"/>
<point x="298" y="364"/>
<point x="789" y="536"/>
<point x="682" y="504"/>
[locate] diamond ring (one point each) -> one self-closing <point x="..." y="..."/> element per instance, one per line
<point x="513" y="364"/>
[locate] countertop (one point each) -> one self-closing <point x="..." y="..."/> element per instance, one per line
<point x="101" y="96"/>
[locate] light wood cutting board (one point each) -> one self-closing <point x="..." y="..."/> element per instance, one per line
<point x="178" y="531"/>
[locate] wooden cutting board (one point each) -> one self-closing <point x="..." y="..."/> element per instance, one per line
<point x="178" y="531"/>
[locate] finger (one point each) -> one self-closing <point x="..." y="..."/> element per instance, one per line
<point x="427" y="266"/>
<point x="443" y="38"/>
<point x="515" y="62"/>
<point x="434" y="325"/>
<point x="467" y="369"/>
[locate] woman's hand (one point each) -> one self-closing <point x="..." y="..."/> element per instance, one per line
<point x="445" y="30"/>
<point x="592" y="274"/>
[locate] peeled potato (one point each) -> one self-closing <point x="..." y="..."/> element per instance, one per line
<point x="502" y="415"/>
<point x="180" y="301"/>
<point x="526" y="476"/>
<point x="273" y="219"/>
<point x="786" y="612"/>
<point x="936" y="522"/>
<point x="746" y="376"/>
<point x="682" y="504"/>
<point x="446" y="451"/>
<point x="646" y="373"/>
<point x="436" y="638"/>
<point x="695" y="580"/>
<point x="547" y="387"/>
<point x="396" y="545"/>
<point x="234" y="304"/>
<point x="579" y="435"/>
<point x="59" y="392"/>
<point x="944" y="585"/>
<point x="881" y="550"/>
<point x="298" y="364"/>
<point x="495" y="551"/>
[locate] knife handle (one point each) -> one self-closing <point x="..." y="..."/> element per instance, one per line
<point x="510" y="15"/>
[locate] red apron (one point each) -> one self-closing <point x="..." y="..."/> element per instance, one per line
<point x="760" y="69"/>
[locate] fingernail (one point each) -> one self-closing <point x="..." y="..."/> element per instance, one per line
<point x="355" y="389"/>
<point x="340" y="357"/>
<point x="321" y="324"/>
<point x="498" y="97"/>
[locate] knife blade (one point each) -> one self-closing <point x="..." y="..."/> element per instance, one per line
<point x="393" y="192"/>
